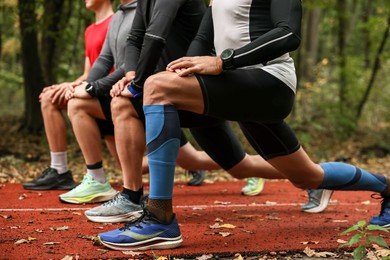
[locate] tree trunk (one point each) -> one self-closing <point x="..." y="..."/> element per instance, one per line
<point x="50" y="36"/>
<point x="311" y="43"/>
<point x="32" y="72"/>
<point x="342" y="31"/>
<point x="374" y="70"/>
<point x="366" y="14"/>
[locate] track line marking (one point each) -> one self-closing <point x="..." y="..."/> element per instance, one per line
<point x="192" y="206"/>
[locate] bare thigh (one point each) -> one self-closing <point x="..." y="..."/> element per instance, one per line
<point x="168" y="88"/>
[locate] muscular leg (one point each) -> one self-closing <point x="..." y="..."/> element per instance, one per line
<point x="130" y="141"/>
<point x="184" y="93"/>
<point x="110" y="143"/>
<point x="54" y="121"/>
<point x="57" y="175"/>
<point x="82" y="113"/>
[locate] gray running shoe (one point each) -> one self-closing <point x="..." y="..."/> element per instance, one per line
<point x="119" y="209"/>
<point x="197" y="177"/>
<point x="318" y="200"/>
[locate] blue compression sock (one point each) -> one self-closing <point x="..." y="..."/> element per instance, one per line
<point x="342" y="176"/>
<point x="163" y="143"/>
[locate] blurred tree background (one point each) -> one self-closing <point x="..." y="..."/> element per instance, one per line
<point x="343" y="66"/>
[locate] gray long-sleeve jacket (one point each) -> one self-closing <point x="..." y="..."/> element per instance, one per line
<point x="113" y="51"/>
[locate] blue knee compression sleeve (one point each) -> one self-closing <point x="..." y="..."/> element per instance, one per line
<point x="342" y="176"/>
<point x="163" y="142"/>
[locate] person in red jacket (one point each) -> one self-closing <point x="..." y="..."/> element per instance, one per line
<point x="58" y="176"/>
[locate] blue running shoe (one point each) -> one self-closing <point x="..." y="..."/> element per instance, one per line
<point x="383" y="219"/>
<point x="143" y="233"/>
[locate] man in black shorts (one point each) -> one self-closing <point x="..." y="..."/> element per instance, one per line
<point x="252" y="81"/>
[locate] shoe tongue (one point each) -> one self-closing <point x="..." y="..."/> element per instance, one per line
<point x="126" y="196"/>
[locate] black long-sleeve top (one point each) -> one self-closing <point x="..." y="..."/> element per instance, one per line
<point x="162" y="31"/>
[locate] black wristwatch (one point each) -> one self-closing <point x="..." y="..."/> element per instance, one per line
<point x="227" y="59"/>
<point x="90" y="89"/>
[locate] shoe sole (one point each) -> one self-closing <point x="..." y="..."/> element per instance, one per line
<point x="325" y="198"/>
<point x="101" y="197"/>
<point x="254" y="193"/>
<point x="115" y="219"/>
<point x="50" y="188"/>
<point x="154" y="243"/>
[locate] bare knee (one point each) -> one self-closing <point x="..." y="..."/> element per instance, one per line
<point x="46" y="102"/>
<point x="121" y="108"/>
<point x="157" y="88"/>
<point x="75" y="108"/>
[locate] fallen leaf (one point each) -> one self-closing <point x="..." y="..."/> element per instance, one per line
<point x="132" y="253"/>
<point x="309" y="252"/>
<point x="31" y="239"/>
<point x="218" y="220"/>
<point x="248" y="231"/>
<point x="228" y="226"/>
<point x="224" y="234"/>
<point x="67" y="257"/>
<point x="238" y="257"/>
<point x="204" y="257"/>
<point x="14" y="227"/>
<point x="60" y="228"/>
<point x="367" y="202"/>
<point x="39" y="230"/>
<point x="6" y="216"/>
<point x="340" y="241"/>
<point x="22" y="241"/>
<point x="51" y="243"/>
<point x="162" y="258"/>
<point x="216" y="225"/>
<point x="23" y="196"/>
<point x="325" y="254"/>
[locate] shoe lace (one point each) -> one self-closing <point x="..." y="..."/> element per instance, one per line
<point x="384" y="201"/>
<point x="252" y="182"/>
<point x="118" y="197"/>
<point x="44" y="173"/>
<point x="143" y="219"/>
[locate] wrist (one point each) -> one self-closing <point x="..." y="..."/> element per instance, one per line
<point x="90" y="89"/>
<point x="135" y="89"/>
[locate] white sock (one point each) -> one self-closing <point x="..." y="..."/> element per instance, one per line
<point x="97" y="174"/>
<point x="59" y="161"/>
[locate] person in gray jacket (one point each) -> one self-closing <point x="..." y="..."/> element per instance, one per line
<point x="90" y="101"/>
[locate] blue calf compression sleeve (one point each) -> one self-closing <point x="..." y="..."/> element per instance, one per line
<point x="342" y="176"/>
<point x="163" y="142"/>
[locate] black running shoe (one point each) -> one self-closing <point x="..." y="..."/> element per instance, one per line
<point x="197" y="177"/>
<point x="51" y="180"/>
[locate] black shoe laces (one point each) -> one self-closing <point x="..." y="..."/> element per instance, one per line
<point x="44" y="173"/>
<point x="144" y="218"/>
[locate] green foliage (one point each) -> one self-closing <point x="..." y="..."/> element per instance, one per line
<point x="362" y="239"/>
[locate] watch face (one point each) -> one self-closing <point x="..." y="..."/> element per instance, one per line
<point x="88" y="88"/>
<point x="226" y="54"/>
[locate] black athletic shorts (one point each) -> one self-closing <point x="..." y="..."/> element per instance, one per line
<point x="259" y="102"/>
<point x="106" y="127"/>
